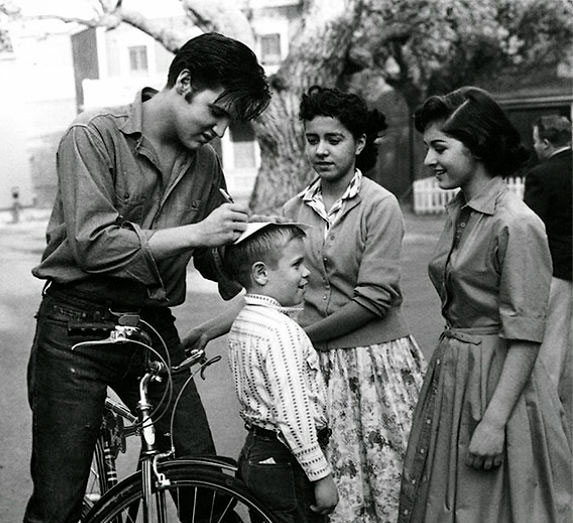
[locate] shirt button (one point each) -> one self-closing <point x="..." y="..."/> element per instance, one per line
<point x="413" y="482"/>
<point x="428" y="421"/>
<point x="463" y="224"/>
<point x="332" y="236"/>
<point x="405" y="512"/>
<point x="422" y="451"/>
<point x="324" y="297"/>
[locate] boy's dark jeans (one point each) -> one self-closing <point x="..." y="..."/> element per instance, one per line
<point x="67" y="391"/>
<point x="282" y="487"/>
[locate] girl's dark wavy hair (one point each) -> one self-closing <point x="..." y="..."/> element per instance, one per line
<point x="215" y="60"/>
<point x="352" y="112"/>
<point x="472" y="116"/>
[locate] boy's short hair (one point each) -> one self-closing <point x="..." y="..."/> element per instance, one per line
<point x="264" y="245"/>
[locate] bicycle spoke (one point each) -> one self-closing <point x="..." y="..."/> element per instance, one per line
<point x="190" y="497"/>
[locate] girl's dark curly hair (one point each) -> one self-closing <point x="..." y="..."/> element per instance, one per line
<point x="472" y="116"/>
<point x="352" y="112"/>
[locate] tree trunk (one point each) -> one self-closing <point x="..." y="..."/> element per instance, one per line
<point x="317" y="56"/>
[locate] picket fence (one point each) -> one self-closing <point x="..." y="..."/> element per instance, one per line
<point x="430" y="199"/>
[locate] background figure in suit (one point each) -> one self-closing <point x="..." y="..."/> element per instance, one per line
<point x="548" y="193"/>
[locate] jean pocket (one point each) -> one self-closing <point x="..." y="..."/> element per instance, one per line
<point x="273" y="484"/>
<point x="59" y="313"/>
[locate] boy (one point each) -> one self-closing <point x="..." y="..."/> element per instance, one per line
<point x="277" y="378"/>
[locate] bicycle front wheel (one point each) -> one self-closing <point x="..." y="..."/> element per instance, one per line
<point x="191" y="495"/>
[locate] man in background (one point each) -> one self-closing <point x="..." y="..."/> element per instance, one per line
<point x="548" y="193"/>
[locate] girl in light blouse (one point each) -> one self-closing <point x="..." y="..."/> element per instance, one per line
<point x="352" y="308"/>
<point x="488" y="444"/>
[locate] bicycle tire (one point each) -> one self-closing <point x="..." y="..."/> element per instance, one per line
<point x="238" y="504"/>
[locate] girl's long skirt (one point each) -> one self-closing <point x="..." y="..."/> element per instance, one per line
<point x="372" y="392"/>
<point x="532" y="485"/>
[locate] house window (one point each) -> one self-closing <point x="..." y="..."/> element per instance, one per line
<point x="138" y="58"/>
<point x="271" y="49"/>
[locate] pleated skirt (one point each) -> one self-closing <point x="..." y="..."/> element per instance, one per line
<point x="533" y="485"/>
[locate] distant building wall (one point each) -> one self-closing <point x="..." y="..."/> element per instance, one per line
<point x="14" y="167"/>
<point x="85" y="59"/>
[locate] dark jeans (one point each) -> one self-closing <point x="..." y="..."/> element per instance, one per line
<point x="67" y="392"/>
<point x="283" y="486"/>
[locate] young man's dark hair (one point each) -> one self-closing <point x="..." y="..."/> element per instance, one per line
<point x="215" y="60"/>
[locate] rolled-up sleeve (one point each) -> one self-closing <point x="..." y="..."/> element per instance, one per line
<point x="378" y="283"/>
<point x="525" y="278"/>
<point x="100" y="240"/>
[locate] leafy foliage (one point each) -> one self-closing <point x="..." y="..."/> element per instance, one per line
<point x="424" y="46"/>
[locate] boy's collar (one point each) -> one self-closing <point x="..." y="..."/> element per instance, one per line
<point x="268" y="301"/>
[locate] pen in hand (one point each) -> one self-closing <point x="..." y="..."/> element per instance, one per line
<point x="226" y="195"/>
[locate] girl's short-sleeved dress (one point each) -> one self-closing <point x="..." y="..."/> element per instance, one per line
<point x="492" y="269"/>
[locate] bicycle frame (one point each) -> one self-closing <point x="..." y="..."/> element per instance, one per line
<point x="154" y="482"/>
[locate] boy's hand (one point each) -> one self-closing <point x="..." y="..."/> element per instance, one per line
<point x="326" y="496"/>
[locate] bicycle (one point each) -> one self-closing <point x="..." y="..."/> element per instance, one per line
<point x="165" y="488"/>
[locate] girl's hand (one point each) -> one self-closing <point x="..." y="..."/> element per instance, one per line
<point x="486" y="446"/>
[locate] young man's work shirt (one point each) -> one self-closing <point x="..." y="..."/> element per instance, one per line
<point x="112" y="196"/>
<point x="278" y="380"/>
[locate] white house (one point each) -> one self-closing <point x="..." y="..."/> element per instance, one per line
<point x="57" y="70"/>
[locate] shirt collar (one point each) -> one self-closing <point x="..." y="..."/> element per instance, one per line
<point x="314" y="189"/>
<point x="485" y="201"/>
<point x="560" y="150"/>
<point x="134" y="122"/>
<point x="271" y="303"/>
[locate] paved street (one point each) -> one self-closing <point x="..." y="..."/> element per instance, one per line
<point x="21" y="246"/>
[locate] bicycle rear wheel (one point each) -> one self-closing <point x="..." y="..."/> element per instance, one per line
<point x="194" y="495"/>
<point x="98" y="481"/>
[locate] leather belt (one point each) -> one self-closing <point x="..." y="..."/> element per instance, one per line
<point x="323" y="435"/>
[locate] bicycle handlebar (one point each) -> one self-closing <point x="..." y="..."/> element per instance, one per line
<point x="128" y="329"/>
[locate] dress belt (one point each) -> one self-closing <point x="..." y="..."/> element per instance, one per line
<point x="466" y="333"/>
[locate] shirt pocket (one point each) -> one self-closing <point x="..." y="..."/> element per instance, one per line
<point x="186" y="212"/>
<point x="131" y="206"/>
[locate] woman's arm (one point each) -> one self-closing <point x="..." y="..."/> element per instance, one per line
<point x="345" y="320"/>
<point x="486" y="445"/>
